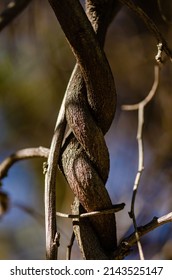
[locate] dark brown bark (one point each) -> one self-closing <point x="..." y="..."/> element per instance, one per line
<point x="89" y="112"/>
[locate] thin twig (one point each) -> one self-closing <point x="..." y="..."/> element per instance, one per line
<point x="150" y="25"/>
<point x="126" y="244"/>
<point x="116" y="208"/>
<point x="151" y="94"/>
<point x="21" y="155"/>
<point x="50" y="183"/>
<point x="140" y="107"/>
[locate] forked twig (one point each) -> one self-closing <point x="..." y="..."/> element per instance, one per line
<point x="140" y="107"/>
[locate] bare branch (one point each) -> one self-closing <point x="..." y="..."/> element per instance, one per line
<point x="126" y="244"/>
<point x="140" y="107"/>
<point x="116" y="208"/>
<point x="50" y="183"/>
<point x="14" y="8"/>
<point x="151" y="94"/>
<point x="21" y="155"/>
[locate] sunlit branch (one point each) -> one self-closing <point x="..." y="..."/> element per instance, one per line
<point x="128" y="242"/>
<point x="21" y="155"/>
<point x="116" y="208"/>
<point x="50" y="183"/>
<point x="140" y="107"/>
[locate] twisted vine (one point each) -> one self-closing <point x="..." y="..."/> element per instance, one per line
<point x="88" y="170"/>
<point x="90" y="109"/>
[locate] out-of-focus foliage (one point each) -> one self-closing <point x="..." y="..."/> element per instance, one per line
<point x="35" y="65"/>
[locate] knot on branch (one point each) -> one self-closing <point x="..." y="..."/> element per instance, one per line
<point x="90" y="108"/>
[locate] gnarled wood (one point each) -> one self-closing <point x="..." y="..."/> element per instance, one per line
<point x="90" y="108"/>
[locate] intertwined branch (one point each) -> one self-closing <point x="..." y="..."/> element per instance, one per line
<point x="89" y="112"/>
<point x="88" y="108"/>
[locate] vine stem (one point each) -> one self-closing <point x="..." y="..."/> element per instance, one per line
<point x="50" y="184"/>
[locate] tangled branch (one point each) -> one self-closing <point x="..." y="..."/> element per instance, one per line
<point x="116" y="208"/>
<point x="89" y="113"/>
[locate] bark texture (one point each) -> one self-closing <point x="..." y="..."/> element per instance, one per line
<point x="90" y="109"/>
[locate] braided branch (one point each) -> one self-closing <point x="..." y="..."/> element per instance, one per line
<point x="89" y="111"/>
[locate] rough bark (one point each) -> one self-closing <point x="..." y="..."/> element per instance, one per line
<point x="90" y="108"/>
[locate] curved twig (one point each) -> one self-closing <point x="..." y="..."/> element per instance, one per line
<point x="50" y="184"/>
<point x="21" y="155"/>
<point x="116" y="208"/>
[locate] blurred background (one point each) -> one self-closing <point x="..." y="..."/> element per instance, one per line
<point x="35" y="66"/>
